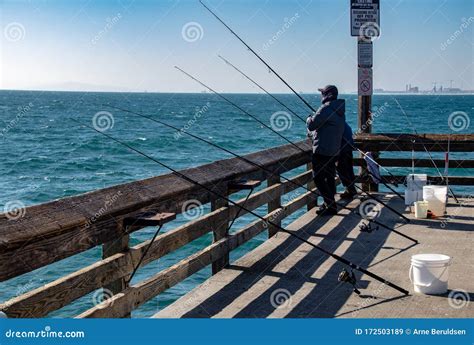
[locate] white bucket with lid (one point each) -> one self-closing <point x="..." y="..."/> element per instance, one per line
<point x="436" y="197"/>
<point x="429" y="273"/>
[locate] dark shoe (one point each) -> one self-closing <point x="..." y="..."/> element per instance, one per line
<point x="349" y="194"/>
<point x="326" y="211"/>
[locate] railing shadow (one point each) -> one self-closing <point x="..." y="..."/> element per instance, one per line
<point x="300" y="273"/>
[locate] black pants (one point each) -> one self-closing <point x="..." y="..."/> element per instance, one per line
<point x="324" y="173"/>
<point x="345" y="170"/>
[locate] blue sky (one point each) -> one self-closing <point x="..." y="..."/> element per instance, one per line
<point x="133" y="45"/>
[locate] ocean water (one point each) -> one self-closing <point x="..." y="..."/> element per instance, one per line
<point x="45" y="155"/>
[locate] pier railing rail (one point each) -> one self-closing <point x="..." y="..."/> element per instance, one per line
<point x="50" y="232"/>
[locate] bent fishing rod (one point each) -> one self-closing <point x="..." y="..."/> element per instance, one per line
<point x="261" y="88"/>
<point x="425" y="148"/>
<point x="218" y="195"/>
<point x="294" y="113"/>
<point x="370" y="195"/>
<point x="246" y="160"/>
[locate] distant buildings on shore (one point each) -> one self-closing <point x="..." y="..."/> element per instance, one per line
<point x="436" y="90"/>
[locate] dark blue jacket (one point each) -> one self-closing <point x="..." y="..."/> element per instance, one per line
<point x="347" y="139"/>
<point x="326" y="127"/>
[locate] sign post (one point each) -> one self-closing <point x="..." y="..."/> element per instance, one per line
<point x="365" y="24"/>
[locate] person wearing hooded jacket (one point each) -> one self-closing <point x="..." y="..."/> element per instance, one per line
<point x="326" y="127"/>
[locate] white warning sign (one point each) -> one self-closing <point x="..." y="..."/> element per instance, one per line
<point x="365" y="54"/>
<point x="365" y="18"/>
<point x="365" y="82"/>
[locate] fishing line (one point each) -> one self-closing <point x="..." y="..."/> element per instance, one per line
<point x="261" y="88"/>
<point x="291" y="233"/>
<point x="424" y="147"/>
<point x="239" y="108"/>
<point x="258" y="56"/>
<point x="286" y="139"/>
<point x="299" y="185"/>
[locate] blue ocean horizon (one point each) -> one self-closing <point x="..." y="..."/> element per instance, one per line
<point x="47" y="156"/>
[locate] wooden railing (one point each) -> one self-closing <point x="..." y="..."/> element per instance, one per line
<point x="50" y="232"/>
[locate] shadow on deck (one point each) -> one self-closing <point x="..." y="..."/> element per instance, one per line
<point x="286" y="278"/>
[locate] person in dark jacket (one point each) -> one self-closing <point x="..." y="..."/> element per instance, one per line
<point x="326" y="128"/>
<point x="345" y="164"/>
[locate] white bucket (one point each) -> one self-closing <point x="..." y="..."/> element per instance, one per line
<point x="421" y="209"/>
<point x="436" y="197"/>
<point x="429" y="273"/>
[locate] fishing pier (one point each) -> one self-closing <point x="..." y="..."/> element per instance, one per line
<point x="282" y="277"/>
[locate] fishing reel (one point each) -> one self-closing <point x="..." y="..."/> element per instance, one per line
<point x="349" y="278"/>
<point x="367" y="227"/>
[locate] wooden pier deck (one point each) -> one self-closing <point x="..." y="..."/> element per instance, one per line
<point x="280" y="269"/>
<point x="286" y="278"/>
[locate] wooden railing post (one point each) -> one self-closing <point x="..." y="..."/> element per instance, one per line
<point x="273" y="204"/>
<point x="220" y="231"/>
<point x="311" y="185"/>
<point x="119" y="245"/>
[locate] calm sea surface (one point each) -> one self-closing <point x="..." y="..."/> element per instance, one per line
<point x="46" y="156"/>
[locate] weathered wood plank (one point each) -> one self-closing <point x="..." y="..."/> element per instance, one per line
<point x="121" y="304"/>
<point x="403" y="142"/>
<point x="273" y="204"/>
<point x="61" y="292"/>
<point x="453" y="180"/>
<point x="52" y="231"/>
<point x="419" y="163"/>
<point x="220" y="231"/>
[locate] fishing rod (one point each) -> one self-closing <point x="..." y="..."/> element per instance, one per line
<point x="258" y="56"/>
<point x="370" y="195"/>
<point x="381" y="180"/>
<point x="299" y="185"/>
<point x="425" y="148"/>
<point x="239" y="108"/>
<point x="218" y="195"/>
<point x="272" y="70"/>
<point x="261" y="88"/>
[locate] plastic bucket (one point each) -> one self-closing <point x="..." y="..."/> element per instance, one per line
<point x="421" y="209"/>
<point x="429" y="273"/>
<point x="436" y="197"/>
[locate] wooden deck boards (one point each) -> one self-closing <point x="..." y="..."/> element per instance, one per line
<point x="306" y="282"/>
